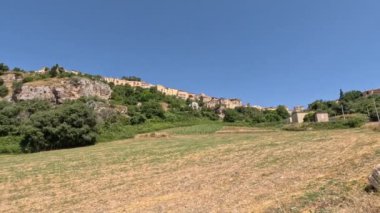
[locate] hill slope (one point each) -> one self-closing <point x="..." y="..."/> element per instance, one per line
<point x="231" y="170"/>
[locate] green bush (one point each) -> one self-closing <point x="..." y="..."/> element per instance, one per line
<point x="352" y="122"/>
<point x="282" y="112"/>
<point x="66" y="127"/>
<point x="3" y="67"/>
<point x="231" y="115"/>
<point x="152" y="109"/>
<point x="27" y="79"/>
<point x="3" y="91"/>
<point x="355" y="122"/>
<point x="10" y="144"/>
<point x="310" y="117"/>
<point x="272" y="116"/>
<point x="137" y="118"/>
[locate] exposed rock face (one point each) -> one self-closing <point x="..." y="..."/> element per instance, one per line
<point x="374" y="178"/>
<point x="59" y="90"/>
<point x="105" y="111"/>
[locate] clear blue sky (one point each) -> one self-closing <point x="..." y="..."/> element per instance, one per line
<point x="266" y="52"/>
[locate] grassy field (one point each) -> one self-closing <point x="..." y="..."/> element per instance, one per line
<point x="202" y="168"/>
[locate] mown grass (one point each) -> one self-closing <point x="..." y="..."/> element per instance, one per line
<point x="119" y="131"/>
<point x="246" y="171"/>
<point x="197" y="129"/>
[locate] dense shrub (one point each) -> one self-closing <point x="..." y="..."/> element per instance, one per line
<point x="3" y="91"/>
<point x="3" y="67"/>
<point x="152" y="109"/>
<point x="282" y="112"/>
<point x="68" y="126"/>
<point x="137" y="118"/>
<point x="210" y="114"/>
<point x="351" y="122"/>
<point x="355" y="122"/>
<point x="231" y="115"/>
<point x="310" y="117"/>
<point x="272" y="116"/>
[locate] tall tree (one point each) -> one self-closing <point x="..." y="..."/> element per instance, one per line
<point x="341" y="94"/>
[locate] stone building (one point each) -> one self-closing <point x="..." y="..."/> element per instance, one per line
<point x="297" y="117"/>
<point x="167" y="91"/>
<point x="122" y="82"/>
<point x="371" y="92"/>
<point x="146" y="85"/>
<point x="213" y="103"/>
<point x="230" y="103"/>
<point x="204" y="97"/>
<point x="183" y="95"/>
<point x="192" y="96"/>
<point x="225" y="103"/>
<point x="115" y="81"/>
<point x="321" y="117"/>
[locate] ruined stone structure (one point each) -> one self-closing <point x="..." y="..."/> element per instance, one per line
<point x="297" y="117"/>
<point x="321" y="117"/>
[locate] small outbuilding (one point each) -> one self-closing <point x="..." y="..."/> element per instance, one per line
<point x="321" y="117"/>
<point x="297" y="117"/>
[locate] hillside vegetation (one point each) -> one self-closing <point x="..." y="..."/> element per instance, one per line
<point x="57" y="119"/>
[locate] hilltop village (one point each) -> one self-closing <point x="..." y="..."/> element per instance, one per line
<point x="57" y="90"/>
<point x="210" y="102"/>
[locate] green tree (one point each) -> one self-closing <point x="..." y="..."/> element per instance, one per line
<point x="271" y="116"/>
<point x="341" y="94"/>
<point x="152" y="109"/>
<point x="352" y="95"/>
<point x="4" y="67"/>
<point x="69" y="126"/>
<point x="56" y="70"/>
<point x="17" y="69"/>
<point x="231" y="115"/>
<point x="282" y="112"/>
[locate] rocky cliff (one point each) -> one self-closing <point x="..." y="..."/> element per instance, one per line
<point x="58" y="90"/>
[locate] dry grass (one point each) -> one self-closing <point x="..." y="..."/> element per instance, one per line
<point x="247" y="171"/>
